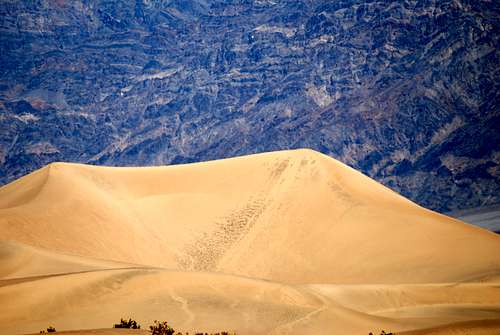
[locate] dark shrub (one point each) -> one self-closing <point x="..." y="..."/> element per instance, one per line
<point x="131" y="324"/>
<point x="161" y="328"/>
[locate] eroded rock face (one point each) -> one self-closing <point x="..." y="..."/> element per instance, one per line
<point x="407" y="92"/>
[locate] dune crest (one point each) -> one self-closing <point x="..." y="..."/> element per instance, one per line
<point x="22" y="261"/>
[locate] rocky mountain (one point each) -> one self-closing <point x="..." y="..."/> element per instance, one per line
<point x="405" y="91"/>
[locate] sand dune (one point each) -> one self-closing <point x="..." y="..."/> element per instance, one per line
<point x="205" y="301"/>
<point x="194" y="300"/>
<point x="290" y="216"/>
<point x="283" y="242"/>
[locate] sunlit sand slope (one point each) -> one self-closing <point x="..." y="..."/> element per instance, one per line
<point x="205" y="301"/>
<point x="290" y="216"/>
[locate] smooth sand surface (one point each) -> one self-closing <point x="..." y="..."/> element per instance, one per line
<point x="274" y="243"/>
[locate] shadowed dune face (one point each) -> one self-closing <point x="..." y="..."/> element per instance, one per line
<point x="291" y="216"/>
<point x="274" y="243"/>
<point x="22" y="261"/>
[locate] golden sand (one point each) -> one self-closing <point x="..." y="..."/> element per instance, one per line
<point x="275" y="243"/>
